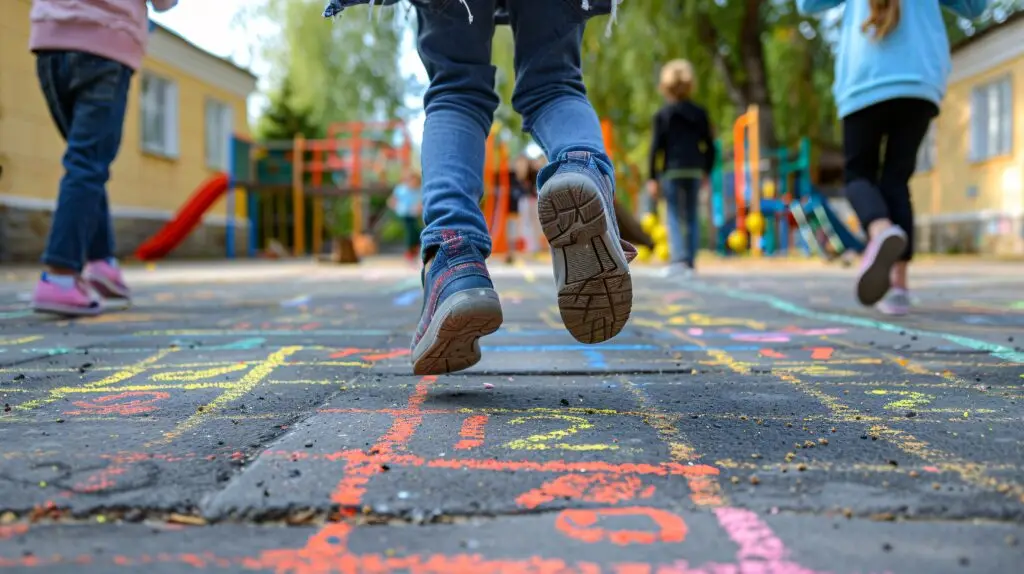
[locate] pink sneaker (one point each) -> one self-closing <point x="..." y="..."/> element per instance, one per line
<point x="896" y="302"/>
<point x="107" y="280"/>
<point x="75" y="300"/>
<point x="882" y="252"/>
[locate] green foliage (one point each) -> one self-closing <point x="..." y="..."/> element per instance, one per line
<point x="283" y="120"/>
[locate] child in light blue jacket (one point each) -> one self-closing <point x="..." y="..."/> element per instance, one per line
<point x="892" y="65"/>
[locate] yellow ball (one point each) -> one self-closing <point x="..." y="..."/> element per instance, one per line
<point x="643" y="254"/>
<point x="755" y="223"/>
<point x="661" y="252"/>
<point x="659" y="233"/>
<point x="738" y="241"/>
<point x="649" y="222"/>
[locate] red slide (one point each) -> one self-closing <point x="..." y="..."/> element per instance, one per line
<point x="188" y="217"/>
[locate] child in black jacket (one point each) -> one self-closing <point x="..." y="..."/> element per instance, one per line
<point x="683" y="134"/>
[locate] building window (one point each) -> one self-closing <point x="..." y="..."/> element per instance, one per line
<point x="218" y="132"/>
<point x="992" y="119"/>
<point x="926" y="153"/>
<point x="159" y="116"/>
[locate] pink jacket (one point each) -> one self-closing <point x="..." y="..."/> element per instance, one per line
<point x="114" y="29"/>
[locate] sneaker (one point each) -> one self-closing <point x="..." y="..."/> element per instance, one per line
<point x="882" y="252"/>
<point x="107" y="280"/>
<point x="460" y="306"/>
<point x="591" y="261"/>
<point x="74" y="299"/>
<point x="896" y="302"/>
<point x="679" y="269"/>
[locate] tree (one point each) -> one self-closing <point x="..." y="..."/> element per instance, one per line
<point x="283" y="120"/>
<point x="341" y="70"/>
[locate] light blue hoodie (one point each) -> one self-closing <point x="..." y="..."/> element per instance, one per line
<point x="912" y="61"/>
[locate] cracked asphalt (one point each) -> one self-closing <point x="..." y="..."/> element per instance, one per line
<point x="261" y="417"/>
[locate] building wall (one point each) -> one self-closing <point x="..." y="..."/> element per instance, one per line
<point x="975" y="206"/>
<point x="145" y="189"/>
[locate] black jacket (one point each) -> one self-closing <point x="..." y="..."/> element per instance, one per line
<point x="682" y="131"/>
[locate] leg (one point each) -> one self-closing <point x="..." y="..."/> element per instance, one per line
<point x="576" y="198"/>
<point x="459" y="106"/>
<point x="87" y="96"/>
<point x="460" y="304"/>
<point x="691" y="201"/>
<point x="910" y="122"/>
<point x="863" y="132"/>
<point x="673" y="193"/>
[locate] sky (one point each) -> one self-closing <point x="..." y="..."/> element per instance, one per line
<point x="210" y="25"/>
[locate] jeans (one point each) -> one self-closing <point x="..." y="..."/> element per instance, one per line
<point x="460" y="102"/>
<point x="877" y="186"/>
<point x="681" y="198"/>
<point x="87" y="96"/>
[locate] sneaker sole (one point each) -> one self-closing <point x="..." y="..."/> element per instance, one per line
<point x="452" y="341"/>
<point x="108" y="289"/>
<point x="595" y="291"/>
<point x="66" y="310"/>
<point x="874" y="282"/>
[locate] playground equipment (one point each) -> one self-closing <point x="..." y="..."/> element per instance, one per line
<point x="770" y="195"/>
<point x="292" y="186"/>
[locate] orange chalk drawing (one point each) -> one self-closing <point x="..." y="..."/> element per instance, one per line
<point x="595" y="487"/>
<point x="12" y="530"/>
<point x="111" y="405"/>
<point x="820" y="353"/>
<point x="582" y="525"/>
<point x="472" y="433"/>
<point x="772" y="354"/>
<point x="383" y="356"/>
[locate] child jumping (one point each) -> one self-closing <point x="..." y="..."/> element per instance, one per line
<point x="682" y="133"/>
<point x="86" y="53"/>
<point x="891" y="72"/>
<point x="575" y="205"/>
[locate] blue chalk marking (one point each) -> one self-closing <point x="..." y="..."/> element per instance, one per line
<point x="998" y="351"/>
<point x="564" y="348"/>
<point x="15" y="314"/>
<point x="242" y="345"/>
<point x="595" y="360"/>
<point x="407" y="298"/>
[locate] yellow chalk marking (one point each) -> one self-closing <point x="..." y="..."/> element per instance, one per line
<point x="197" y="375"/>
<point x="528" y="273"/>
<point x="540" y="441"/>
<point x="701" y="320"/>
<point x="119" y="376"/>
<point x="912" y="401"/>
<point x="819" y="371"/>
<point x="245" y="385"/>
<point x="549" y="320"/>
<point x="19" y="341"/>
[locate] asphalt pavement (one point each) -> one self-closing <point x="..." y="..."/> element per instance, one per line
<point x="262" y="417"/>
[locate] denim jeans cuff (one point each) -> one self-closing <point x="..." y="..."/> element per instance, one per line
<point x="61" y="263"/>
<point x="433" y="239"/>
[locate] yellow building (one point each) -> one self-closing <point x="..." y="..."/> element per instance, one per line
<point x="969" y="189"/>
<point x="184" y="105"/>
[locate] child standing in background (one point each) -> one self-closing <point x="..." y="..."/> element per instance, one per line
<point x="682" y="133"/>
<point x="407" y="203"/>
<point x="86" y="53"/>
<point x="892" y="67"/>
<point x="575" y="201"/>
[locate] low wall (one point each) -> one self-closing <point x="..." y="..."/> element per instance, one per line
<point x="999" y="235"/>
<point x="23" y="233"/>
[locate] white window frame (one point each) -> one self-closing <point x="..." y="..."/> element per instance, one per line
<point x="218" y="118"/>
<point x="992" y="119"/>
<point x="159" y="110"/>
<point x="928" y="151"/>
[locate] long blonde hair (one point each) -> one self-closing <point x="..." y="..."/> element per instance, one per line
<point x="884" y="17"/>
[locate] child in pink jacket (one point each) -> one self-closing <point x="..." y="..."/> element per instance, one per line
<point x="86" y="53"/>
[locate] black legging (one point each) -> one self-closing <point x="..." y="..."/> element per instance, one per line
<point x="877" y="186"/>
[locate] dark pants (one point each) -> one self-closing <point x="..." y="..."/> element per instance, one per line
<point x="877" y="184"/>
<point x="681" y="198"/>
<point x="411" y="224"/>
<point x="87" y="96"/>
